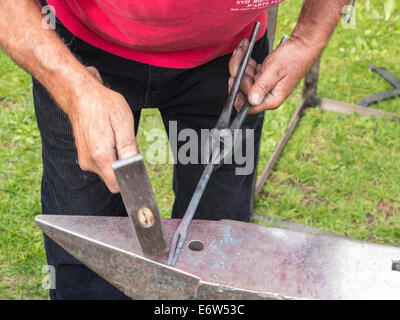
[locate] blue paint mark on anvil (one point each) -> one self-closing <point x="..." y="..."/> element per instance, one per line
<point x="227" y="234"/>
<point x="218" y="247"/>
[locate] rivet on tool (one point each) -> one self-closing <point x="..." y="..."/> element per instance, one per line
<point x="196" y="245"/>
<point x="146" y="217"/>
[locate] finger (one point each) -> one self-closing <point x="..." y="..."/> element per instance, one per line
<point x="250" y="69"/>
<point x="258" y="72"/>
<point x="106" y="172"/>
<point x="245" y="85"/>
<point x="272" y="101"/>
<point x="230" y="83"/>
<point x="239" y="101"/>
<point x="86" y="164"/>
<point x="238" y="56"/>
<point x="252" y="63"/>
<point x="124" y="130"/>
<point x="264" y="84"/>
<point x="102" y="156"/>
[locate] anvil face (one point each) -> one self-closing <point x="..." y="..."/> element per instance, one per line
<point x="238" y="261"/>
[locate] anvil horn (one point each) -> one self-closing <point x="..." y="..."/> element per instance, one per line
<point x="230" y="260"/>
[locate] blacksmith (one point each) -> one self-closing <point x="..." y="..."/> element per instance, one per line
<point x="177" y="56"/>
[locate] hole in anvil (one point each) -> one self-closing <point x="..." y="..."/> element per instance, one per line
<point x="196" y="245"/>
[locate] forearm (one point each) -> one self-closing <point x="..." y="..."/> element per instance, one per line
<point x="41" y="52"/>
<point x="316" y="23"/>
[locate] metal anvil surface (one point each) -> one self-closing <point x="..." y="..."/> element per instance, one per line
<point x="239" y="261"/>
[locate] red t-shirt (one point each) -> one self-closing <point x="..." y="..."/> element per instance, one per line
<point x="167" y="33"/>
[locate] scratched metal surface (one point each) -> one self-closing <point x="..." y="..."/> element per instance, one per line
<point x="239" y="260"/>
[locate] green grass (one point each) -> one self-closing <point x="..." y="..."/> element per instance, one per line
<point x="22" y="255"/>
<point x="338" y="173"/>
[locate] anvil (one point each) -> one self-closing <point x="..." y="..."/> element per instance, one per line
<point x="230" y="260"/>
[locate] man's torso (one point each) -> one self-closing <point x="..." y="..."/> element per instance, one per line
<point x="170" y="33"/>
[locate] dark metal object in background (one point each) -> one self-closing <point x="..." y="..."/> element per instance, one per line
<point x="348" y="108"/>
<point x="395" y="82"/>
<point x="310" y="99"/>
<point x="310" y="87"/>
<point x="222" y="124"/>
<point x="309" y="94"/>
<point x="141" y="204"/>
<point x="272" y="16"/>
<point x="238" y="261"/>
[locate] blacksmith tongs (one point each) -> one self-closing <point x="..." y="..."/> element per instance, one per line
<point x="222" y="124"/>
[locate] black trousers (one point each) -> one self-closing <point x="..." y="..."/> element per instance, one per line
<point x="192" y="97"/>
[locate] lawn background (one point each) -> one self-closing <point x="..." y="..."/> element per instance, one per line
<point x="338" y="173"/>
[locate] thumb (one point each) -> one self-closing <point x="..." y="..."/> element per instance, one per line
<point x="263" y="85"/>
<point x="125" y="141"/>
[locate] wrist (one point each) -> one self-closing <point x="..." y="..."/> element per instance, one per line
<point x="70" y="84"/>
<point x="65" y="78"/>
<point x="79" y="93"/>
<point x="316" y="24"/>
<point x="312" y="41"/>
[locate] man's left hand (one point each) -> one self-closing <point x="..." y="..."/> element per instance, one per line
<point x="267" y="85"/>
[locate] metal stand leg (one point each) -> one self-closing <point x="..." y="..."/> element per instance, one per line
<point x="272" y="18"/>
<point x="310" y="99"/>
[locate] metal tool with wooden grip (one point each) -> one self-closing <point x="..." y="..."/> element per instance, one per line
<point x="141" y="205"/>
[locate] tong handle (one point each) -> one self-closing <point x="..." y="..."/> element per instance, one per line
<point x="224" y="119"/>
<point x="241" y="116"/>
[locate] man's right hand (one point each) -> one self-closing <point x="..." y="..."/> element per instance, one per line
<point x="101" y="119"/>
<point x="103" y="127"/>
